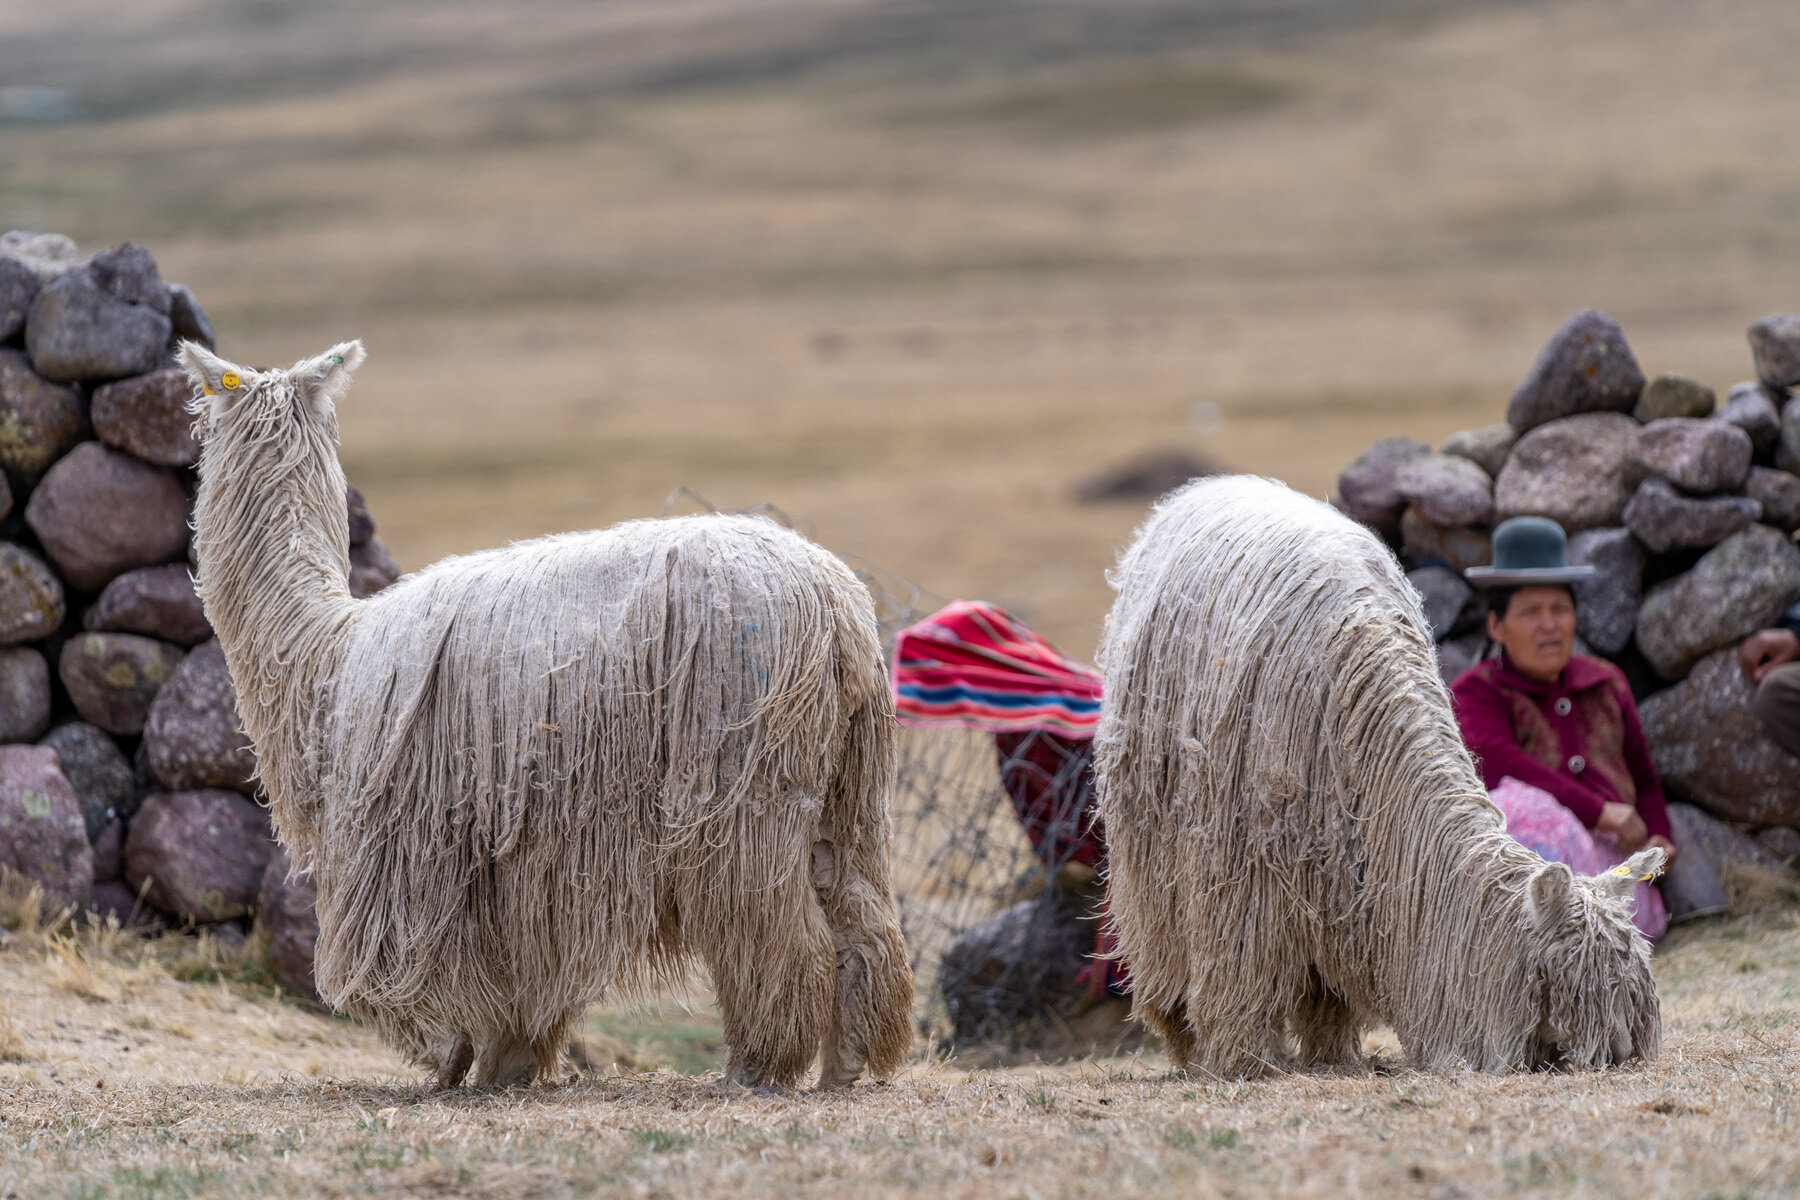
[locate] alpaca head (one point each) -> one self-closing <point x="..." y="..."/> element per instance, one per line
<point x="1599" y="1005"/>
<point x="266" y="404"/>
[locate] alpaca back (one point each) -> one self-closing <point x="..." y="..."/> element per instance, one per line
<point x="571" y="740"/>
<point x="1290" y="810"/>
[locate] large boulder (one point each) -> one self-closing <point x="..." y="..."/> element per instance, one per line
<point x="1449" y="603"/>
<point x="1779" y="494"/>
<point x="193" y="736"/>
<point x="113" y="678"/>
<point x="1664" y="519"/>
<point x="1739" y="586"/>
<point x="1606" y="606"/>
<point x="31" y="597"/>
<point x="1724" y="846"/>
<point x="98" y="771"/>
<point x="371" y="568"/>
<point x="18" y="287"/>
<point x="362" y="525"/>
<point x="24" y="694"/>
<point x="109" y="852"/>
<point x="105" y="321"/>
<point x="1366" y="487"/>
<point x="40" y="421"/>
<point x="1448" y="489"/>
<point x="1458" y="549"/>
<point x="114" y="899"/>
<point x="1022" y="964"/>
<point x="1574" y="471"/>
<point x="100" y="512"/>
<point x="147" y="416"/>
<point x="47" y="256"/>
<point x="157" y="602"/>
<point x="1711" y="748"/>
<point x="1456" y="655"/>
<point x="1775" y="345"/>
<point x="198" y="856"/>
<point x="1696" y="456"/>
<point x="1586" y="366"/>
<point x="42" y="838"/>
<point x="1755" y="410"/>
<point x="1787" y="442"/>
<point x="1673" y="396"/>
<point x="285" y="911"/>
<point x="190" y="320"/>
<point x="1783" y="842"/>
<point x="1487" y="447"/>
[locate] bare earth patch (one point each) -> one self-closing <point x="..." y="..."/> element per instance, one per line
<point x="117" y="1078"/>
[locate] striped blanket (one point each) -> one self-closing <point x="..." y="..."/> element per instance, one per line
<point x="976" y="665"/>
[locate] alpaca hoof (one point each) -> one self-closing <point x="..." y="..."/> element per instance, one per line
<point x="456" y="1066"/>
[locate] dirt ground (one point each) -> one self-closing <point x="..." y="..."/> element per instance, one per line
<point x="172" y="1070"/>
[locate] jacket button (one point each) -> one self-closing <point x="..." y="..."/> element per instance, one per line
<point x="1564" y="706"/>
<point x="1577" y="764"/>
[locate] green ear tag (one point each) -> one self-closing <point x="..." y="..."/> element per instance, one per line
<point x="338" y="359"/>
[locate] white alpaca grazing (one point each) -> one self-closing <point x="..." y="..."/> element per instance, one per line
<point x="524" y="777"/>
<point x="1299" y="846"/>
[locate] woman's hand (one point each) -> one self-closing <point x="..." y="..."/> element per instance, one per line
<point x="1667" y="847"/>
<point x="1765" y="649"/>
<point x="1623" y="822"/>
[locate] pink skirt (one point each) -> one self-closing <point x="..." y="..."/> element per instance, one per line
<point x="1538" y="821"/>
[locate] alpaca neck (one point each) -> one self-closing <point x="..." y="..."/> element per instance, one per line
<point x="272" y="536"/>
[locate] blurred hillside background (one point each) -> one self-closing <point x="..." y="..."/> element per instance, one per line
<point x="911" y="269"/>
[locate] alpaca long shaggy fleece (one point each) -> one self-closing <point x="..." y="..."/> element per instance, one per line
<point x="1299" y="847"/>
<point x="524" y="777"/>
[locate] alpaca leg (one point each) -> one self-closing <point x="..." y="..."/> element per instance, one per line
<point x="870" y="1017"/>
<point x="770" y="954"/>
<point x="1328" y="1029"/>
<point x="509" y="1059"/>
<point x="1171" y="1025"/>
<point x="456" y="1063"/>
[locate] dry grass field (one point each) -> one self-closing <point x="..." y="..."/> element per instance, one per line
<point x="908" y="269"/>
<point x="168" y="1069"/>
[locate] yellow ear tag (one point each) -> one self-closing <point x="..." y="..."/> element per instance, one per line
<point x="230" y="381"/>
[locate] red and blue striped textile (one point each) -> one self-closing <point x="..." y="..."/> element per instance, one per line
<point x="976" y="665"/>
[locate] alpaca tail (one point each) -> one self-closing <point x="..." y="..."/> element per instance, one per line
<point x="870" y="1020"/>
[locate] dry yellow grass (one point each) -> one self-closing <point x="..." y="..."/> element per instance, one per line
<point x="220" y="1088"/>
<point x="912" y="289"/>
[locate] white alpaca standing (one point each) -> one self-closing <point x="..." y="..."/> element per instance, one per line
<point x="523" y="777"/>
<point x="1299" y="847"/>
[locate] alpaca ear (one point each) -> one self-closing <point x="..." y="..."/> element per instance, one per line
<point x="214" y="381"/>
<point x="1622" y="880"/>
<point x="327" y="377"/>
<point x="1550" y="893"/>
<point x="205" y="371"/>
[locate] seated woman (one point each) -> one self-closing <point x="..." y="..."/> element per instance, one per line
<point x="1555" y="734"/>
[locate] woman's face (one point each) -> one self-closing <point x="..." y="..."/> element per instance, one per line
<point x="1538" y="631"/>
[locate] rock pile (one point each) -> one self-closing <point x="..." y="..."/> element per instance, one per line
<point x="126" y="783"/>
<point x="1687" y="508"/>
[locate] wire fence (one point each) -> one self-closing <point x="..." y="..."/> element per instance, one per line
<point x="981" y="824"/>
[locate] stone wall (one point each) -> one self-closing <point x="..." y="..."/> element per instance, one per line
<point x="127" y="787"/>
<point x="1687" y="508"/>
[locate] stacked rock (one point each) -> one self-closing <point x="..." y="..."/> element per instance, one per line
<point x="1686" y="508"/>
<point x="127" y="785"/>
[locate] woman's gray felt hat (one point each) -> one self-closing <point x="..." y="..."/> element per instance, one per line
<point x="1527" y="551"/>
